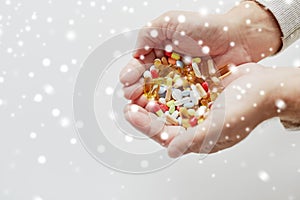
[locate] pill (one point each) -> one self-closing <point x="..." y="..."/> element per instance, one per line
<point x="204" y="102"/>
<point x="196" y="60"/>
<point x="175" y="113"/>
<point x="183" y="113"/>
<point x="152" y="67"/>
<point x="182" y="101"/>
<point x="213" y="96"/>
<point x="191" y="112"/>
<point x="194" y="99"/>
<point x="159" y="113"/>
<point x="157" y="62"/>
<point x="176" y="76"/>
<point x="179" y="119"/>
<point x="154" y="73"/>
<point x="195" y="93"/>
<point x="176" y="94"/>
<point x="147" y="74"/>
<point x="175" y="56"/>
<point x="164" y="61"/>
<point x="200" y="111"/>
<point x="185" y="93"/>
<point x="162" y="90"/>
<point x="170" y="103"/>
<point x="205" y="86"/>
<point x="168" y="93"/>
<point x="163" y="107"/>
<point x="188" y="105"/>
<point x="215" y="80"/>
<point x="172" y="109"/>
<point x="200" y="120"/>
<point x="179" y="64"/>
<point x="178" y="83"/>
<point x="171" y="120"/>
<point x="171" y="61"/>
<point x="201" y="90"/>
<point x="169" y="81"/>
<point x="187" y="60"/>
<point x="168" y="54"/>
<point x="185" y="123"/>
<point x="193" y="121"/>
<point x="162" y="100"/>
<point x="196" y="70"/>
<point x="211" y="67"/>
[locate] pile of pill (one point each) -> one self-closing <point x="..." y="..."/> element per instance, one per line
<point x="177" y="90"/>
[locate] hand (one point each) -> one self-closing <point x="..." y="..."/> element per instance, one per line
<point x="247" y="33"/>
<point x="252" y="94"/>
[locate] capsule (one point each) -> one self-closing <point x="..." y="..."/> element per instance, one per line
<point x="193" y="121"/>
<point x="201" y="91"/>
<point x="168" y="93"/>
<point x="179" y="64"/>
<point x="196" y="60"/>
<point x="156" y="109"/>
<point x="196" y="70"/>
<point x="164" y="61"/>
<point x="171" y="120"/>
<point x="211" y="67"/>
<point x="176" y="94"/>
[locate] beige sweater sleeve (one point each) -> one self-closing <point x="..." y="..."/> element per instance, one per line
<point x="287" y="13"/>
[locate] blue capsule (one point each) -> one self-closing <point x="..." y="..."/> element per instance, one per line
<point x="179" y="64"/>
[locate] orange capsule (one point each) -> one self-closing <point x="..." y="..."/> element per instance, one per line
<point x="172" y="61"/>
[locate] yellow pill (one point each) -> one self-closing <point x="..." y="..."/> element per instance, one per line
<point x="157" y="62"/>
<point x="175" y="56"/>
<point x="196" y="60"/>
<point x="164" y="61"/>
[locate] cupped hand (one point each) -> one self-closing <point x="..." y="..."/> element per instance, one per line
<point x="247" y="33"/>
<point x="245" y="102"/>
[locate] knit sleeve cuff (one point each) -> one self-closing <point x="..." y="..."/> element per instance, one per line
<point x="288" y="18"/>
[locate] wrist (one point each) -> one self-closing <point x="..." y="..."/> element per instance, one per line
<point x="257" y="29"/>
<point x="286" y="94"/>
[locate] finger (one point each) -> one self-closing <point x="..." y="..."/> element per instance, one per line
<point x="172" y="33"/>
<point x="202" y="138"/>
<point x="141" y="101"/>
<point x="133" y="71"/>
<point x="149" y="38"/>
<point x="186" y="143"/>
<point x="134" y="91"/>
<point x="151" y="125"/>
<point x="236" y="72"/>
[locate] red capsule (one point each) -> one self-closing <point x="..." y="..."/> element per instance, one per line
<point x="164" y="107"/>
<point x="193" y="121"/>
<point x="168" y="53"/>
<point x="177" y="108"/>
<point x="154" y="73"/>
<point x="205" y="86"/>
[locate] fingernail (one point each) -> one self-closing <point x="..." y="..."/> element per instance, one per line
<point x="138" y="119"/>
<point x="129" y="76"/>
